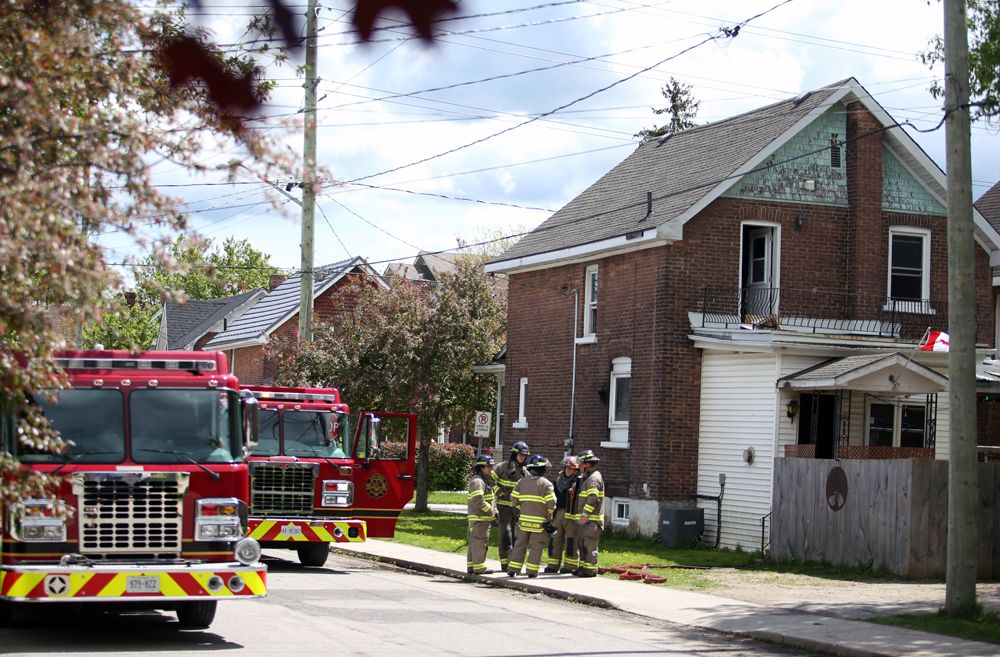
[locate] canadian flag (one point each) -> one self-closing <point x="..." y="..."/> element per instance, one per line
<point x="936" y="341"/>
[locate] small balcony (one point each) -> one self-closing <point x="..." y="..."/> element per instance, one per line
<point x="821" y="311"/>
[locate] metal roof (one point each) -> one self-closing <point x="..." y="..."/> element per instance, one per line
<point x="282" y="303"/>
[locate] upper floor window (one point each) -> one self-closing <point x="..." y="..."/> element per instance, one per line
<point x="590" y="301"/>
<point x="619" y="402"/>
<point x="909" y="263"/>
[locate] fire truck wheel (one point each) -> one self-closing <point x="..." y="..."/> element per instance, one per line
<point x="6" y="613"/>
<point x="314" y="554"/>
<point x="196" y="614"/>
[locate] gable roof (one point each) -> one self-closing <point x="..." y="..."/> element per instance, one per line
<point x="282" y="303"/>
<point x="989" y="205"/>
<point x="647" y="198"/>
<point x="888" y="373"/>
<point x="427" y="267"/>
<point x="184" y="323"/>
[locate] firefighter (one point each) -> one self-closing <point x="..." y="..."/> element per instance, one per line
<point x="535" y="501"/>
<point x="589" y="506"/>
<point x="563" y="540"/>
<point x="481" y="513"/>
<point x="505" y="477"/>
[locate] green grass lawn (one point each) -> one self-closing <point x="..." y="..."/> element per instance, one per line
<point x="446" y="532"/>
<point x="984" y="627"/>
<point x="447" y="497"/>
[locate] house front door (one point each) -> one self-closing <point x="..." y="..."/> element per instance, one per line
<point x="759" y="297"/>
<point x="818" y="423"/>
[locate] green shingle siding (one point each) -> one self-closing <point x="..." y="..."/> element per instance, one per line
<point x="810" y="149"/>
<point x="901" y="192"/>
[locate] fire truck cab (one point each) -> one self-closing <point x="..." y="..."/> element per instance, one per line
<point x="151" y="508"/>
<point x="314" y="481"/>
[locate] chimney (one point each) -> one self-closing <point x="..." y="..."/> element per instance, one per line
<point x="275" y="280"/>
<point x="866" y="236"/>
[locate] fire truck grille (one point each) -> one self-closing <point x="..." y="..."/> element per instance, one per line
<point x="131" y="515"/>
<point x="281" y="489"/>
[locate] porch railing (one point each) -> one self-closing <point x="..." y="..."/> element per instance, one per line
<point x="822" y="311"/>
<point x="882" y="452"/>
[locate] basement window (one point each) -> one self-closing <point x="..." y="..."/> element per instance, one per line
<point x="621" y="513"/>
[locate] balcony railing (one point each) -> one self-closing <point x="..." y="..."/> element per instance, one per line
<point x="822" y="311"/>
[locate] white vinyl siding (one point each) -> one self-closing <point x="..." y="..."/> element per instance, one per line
<point x="738" y="397"/>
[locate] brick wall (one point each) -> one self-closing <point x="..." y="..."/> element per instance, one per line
<point x="864" y="194"/>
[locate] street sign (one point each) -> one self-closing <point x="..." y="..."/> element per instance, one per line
<point x="483" y="419"/>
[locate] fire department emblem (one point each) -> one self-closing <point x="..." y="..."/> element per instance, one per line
<point x="376" y="485"/>
<point x="56" y="585"/>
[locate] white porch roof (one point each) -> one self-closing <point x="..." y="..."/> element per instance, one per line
<point x="891" y="373"/>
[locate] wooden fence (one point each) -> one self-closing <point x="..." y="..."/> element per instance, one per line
<point x="882" y="513"/>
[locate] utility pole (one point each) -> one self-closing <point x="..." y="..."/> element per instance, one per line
<point x="308" y="178"/>
<point x="963" y="494"/>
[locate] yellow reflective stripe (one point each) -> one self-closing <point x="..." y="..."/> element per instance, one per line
<point x="506" y="483"/>
<point x="255" y="582"/>
<point x="588" y="508"/>
<point x="115" y="587"/>
<point x="475" y="493"/>
<point x="169" y="587"/>
<point x="261" y="529"/>
<point x="504" y="503"/>
<point x="592" y="491"/>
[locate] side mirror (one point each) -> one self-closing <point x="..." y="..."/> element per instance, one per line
<point x="251" y="423"/>
<point x="372" y="436"/>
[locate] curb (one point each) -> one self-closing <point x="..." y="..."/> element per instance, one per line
<point x="502" y="582"/>
<point x="765" y="636"/>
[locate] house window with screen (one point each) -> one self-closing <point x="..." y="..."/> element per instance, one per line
<point x="590" y="302"/>
<point x="620" y="399"/>
<point x="909" y="269"/>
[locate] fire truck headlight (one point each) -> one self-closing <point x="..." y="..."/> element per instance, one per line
<point x="218" y="519"/>
<point x="338" y="493"/>
<point x="247" y="551"/>
<point x="37" y="520"/>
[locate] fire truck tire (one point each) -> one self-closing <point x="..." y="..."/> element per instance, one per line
<point x="314" y="554"/>
<point x="196" y="614"/>
<point x="6" y="613"/>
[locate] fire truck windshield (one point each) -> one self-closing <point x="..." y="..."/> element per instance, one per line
<point x="181" y="425"/>
<point x="91" y="423"/>
<point x="307" y="434"/>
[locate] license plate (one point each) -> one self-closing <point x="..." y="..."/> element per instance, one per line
<point x="142" y="584"/>
<point x="291" y="530"/>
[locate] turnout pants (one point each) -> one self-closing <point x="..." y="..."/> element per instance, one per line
<point x="506" y="523"/>
<point x="561" y="551"/>
<point x="534" y="544"/>
<point x="590" y="537"/>
<point x="479" y="538"/>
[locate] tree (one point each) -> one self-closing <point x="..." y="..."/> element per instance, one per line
<point x="983" y="17"/>
<point x="681" y="107"/>
<point x="84" y="106"/>
<point x="123" y="326"/>
<point x="409" y="349"/>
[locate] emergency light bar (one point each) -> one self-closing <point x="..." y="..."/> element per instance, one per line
<point x="302" y="396"/>
<point x="135" y="364"/>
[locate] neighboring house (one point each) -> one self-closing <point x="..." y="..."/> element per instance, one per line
<point x="276" y="315"/>
<point x="988" y="415"/>
<point x="736" y="292"/>
<point x="189" y="325"/>
<point x="425" y="268"/>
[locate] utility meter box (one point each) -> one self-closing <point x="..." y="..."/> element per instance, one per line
<point x="681" y="527"/>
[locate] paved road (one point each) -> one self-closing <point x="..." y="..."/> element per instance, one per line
<point x="357" y="608"/>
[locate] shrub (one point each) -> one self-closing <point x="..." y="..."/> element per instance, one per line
<point x="449" y="467"/>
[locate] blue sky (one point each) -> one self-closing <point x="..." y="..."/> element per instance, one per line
<point x="378" y="111"/>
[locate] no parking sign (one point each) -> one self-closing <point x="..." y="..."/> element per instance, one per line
<point x="483" y="419"/>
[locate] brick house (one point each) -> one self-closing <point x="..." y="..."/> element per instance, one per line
<point x="736" y="292"/>
<point x="276" y="315"/>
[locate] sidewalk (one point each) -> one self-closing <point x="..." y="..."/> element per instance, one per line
<point x="802" y="630"/>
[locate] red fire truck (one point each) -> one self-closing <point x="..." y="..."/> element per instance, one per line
<point x="314" y="482"/>
<point x="151" y="511"/>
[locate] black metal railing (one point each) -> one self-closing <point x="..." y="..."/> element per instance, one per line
<point x="823" y="311"/>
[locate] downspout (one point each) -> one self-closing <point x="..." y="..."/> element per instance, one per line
<point x="572" y="393"/>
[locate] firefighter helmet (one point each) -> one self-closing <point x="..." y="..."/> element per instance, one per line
<point x="483" y="460"/>
<point x="587" y="456"/>
<point x="520" y="447"/>
<point x="569" y="462"/>
<point x="537" y="464"/>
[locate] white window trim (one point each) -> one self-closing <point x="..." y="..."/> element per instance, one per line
<point x="588" y="301"/>
<point x="618" y="431"/>
<point x="611" y="444"/>
<point x="897" y="418"/>
<point x="775" y="253"/>
<point x="522" y="395"/>
<point x="616" y="519"/>
<point x="925" y="283"/>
